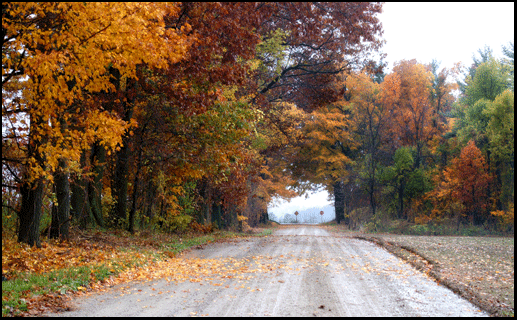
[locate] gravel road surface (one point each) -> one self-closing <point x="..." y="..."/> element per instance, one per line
<point x="299" y="271"/>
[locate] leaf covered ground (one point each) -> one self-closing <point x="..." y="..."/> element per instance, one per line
<point x="481" y="269"/>
<point x="41" y="279"/>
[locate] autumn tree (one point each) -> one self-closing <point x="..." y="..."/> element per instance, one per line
<point x="446" y="206"/>
<point x="55" y="57"/>
<point x="370" y="105"/>
<point x="482" y="114"/>
<point x="271" y="141"/>
<point x="103" y="84"/>
<point x="325" y="155"/>
<point x="500" y="134"/>
<point x="317" y="41"/>
<point x="189" y="106"/>
<point x="414" y="112"/>
<point x="313" y="43"/>
<point x="462" y="190"/>
<point x="441" y="94"/>
<point x="471" y="169"/>
<point x="318" y="38"/>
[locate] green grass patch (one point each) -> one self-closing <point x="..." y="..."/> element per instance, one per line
<point x="17" y="291"/>
<point x="178" y="245"/>
<point x="265" y="232"/>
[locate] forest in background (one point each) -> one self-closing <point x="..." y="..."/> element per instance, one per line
<point x="192" y="116"/>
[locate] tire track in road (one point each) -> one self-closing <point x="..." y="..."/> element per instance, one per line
<point x="299" y="271"/>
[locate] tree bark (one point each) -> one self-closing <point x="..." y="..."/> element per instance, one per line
<point x="53" y="232"/>
<point x="31" y="192"/>
<point x="217" y="212"/>
<point x="120" y="181"/>
<point x="339" y="201"/>
<point x="205" y="193"/>
<point x="80" y="206"/>
<point x="30" y="212"/>
<point x="63" y="200"/>
<point x="132" y="212"/>
<point x="150" y="198"/>
<point x="98" y="161"/>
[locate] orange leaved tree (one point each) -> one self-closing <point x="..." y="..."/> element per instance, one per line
<point x="413" y="112"/>
<point x="463" y="186"/>
<point x="56" y="59"/>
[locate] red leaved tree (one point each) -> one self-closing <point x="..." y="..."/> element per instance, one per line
<point x="472" y="171"/>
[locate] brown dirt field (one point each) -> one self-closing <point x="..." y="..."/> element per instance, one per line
<point x="480" y="269"/>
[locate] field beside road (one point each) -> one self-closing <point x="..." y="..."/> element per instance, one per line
<point x="481" y="269"/>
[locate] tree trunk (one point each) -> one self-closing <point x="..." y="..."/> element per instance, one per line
<point x="263" y="218"/>
<point x="205" y="193"/>
<point x="418" y="158"/>
<point x="32" y="191"/>
<point x="401" y="201"/>
<point x="53" y="232"/>
<point x="371" y="192"/>
<point x="80" y="206"/>
<point x="30" y="212"/>
<point x="63" y="200"/>
<point x="120" y="181"/>
<point x="217" y="214"/>
<point x="98" y="161"/>
<point x="339" y="201"/>
<point x="348" y="208"/>
<point x="149" y="202"/>
<point x="132" y="212"/>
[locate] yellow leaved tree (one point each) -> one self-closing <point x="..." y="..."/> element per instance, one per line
<point x="58" y="59"/>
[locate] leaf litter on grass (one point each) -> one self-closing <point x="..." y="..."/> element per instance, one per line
<point x="111" y="258"/>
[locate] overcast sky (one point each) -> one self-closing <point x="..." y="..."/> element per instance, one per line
<point x="446" y="31"/>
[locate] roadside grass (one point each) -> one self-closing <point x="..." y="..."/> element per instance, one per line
<point x="480" y="269"/>
<point x="41" y="279"/>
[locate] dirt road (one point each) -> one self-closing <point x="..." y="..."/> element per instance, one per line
<point x="299" y="271"/>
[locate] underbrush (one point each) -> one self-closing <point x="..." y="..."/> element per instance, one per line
<point x="439" y="229"/>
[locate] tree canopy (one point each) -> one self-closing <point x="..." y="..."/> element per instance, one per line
<point x="194" y="115"/>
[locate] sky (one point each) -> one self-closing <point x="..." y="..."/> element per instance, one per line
<point x="449" y="32"/>
<point x="316" y="199"/>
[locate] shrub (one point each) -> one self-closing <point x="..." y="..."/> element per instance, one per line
<point x="243" y="225"/>
<point x="197" y="227"/>
<point x="419" y="229"/>
<point x="178" y="224"/>
<point x="472" y="230"/>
